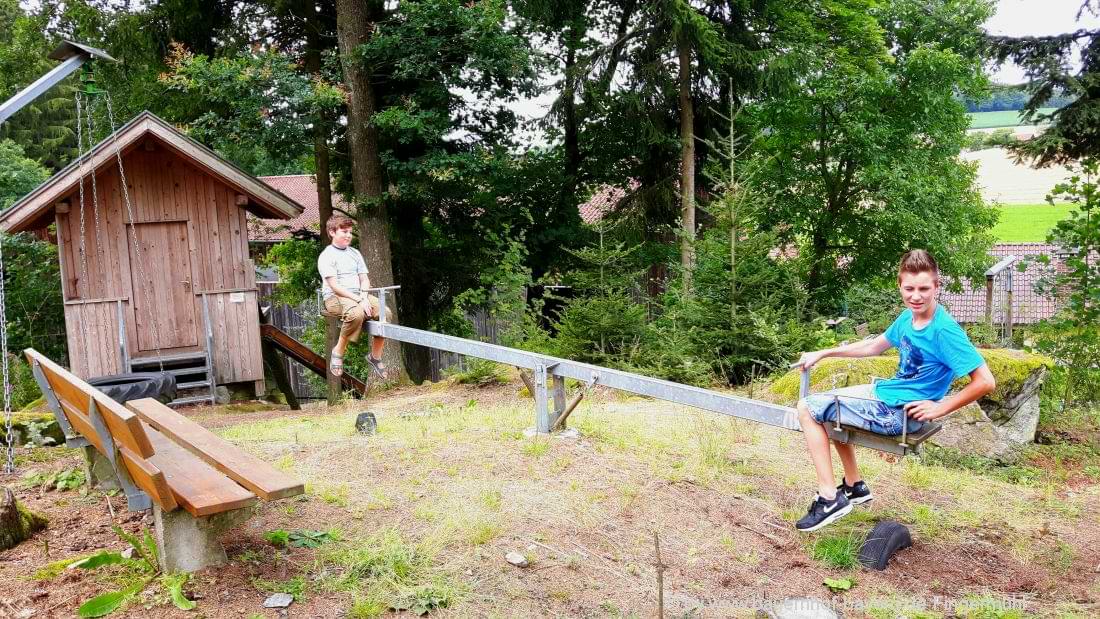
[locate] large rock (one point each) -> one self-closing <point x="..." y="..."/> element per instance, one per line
<point x="997" y="426"/>
<point x="35" y="426"/>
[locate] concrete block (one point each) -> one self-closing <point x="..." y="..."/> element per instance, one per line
<point x="98" y="470"/>
<point x="187" y="543"/>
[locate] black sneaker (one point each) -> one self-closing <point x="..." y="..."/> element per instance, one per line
<point x="857" y="494"/>
<point x="823" y="512"/>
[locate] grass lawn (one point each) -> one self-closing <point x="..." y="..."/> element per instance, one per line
<point x="990" y="120"/>
<point x="1028" y="223"/>
<point x="419" y="518"/>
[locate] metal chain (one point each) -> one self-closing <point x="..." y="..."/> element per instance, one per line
<point x="95" y="194"/>
<point x="83" y="250"/>
<point x="9" y="435"/>
<point x="133" y="231"/>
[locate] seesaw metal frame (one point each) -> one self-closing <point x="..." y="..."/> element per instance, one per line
<point x="550" y="400"/>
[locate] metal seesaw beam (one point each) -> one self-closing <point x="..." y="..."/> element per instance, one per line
<point x="735" y="406"/>
<point x="545" y="367"/>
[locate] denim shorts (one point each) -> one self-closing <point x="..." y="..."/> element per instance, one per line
<point x="859" y="408"/>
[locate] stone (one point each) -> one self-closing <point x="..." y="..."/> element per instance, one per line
<point x="17" y="523"/>
<point x="516" y="559"/>
<point x="221" y="395"/>
<point x="798" y="608"/>
<point x="970" y="430"/>
<point x="279" y="600"/>
<point x="571" y="433"/>
<point x="98" y="470"/>
<point x="366" y="423"/>
<point x="189" y="544"/>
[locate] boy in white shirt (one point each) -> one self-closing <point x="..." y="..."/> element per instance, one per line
<point x="344" y="276"/>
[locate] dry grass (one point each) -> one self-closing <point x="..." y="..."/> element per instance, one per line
<point x="453" y="472"/>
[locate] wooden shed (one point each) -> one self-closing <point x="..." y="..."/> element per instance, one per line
<point x="177" y="287"/>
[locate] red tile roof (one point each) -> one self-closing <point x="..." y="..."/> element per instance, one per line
<point x="1028" y="307"/>
<point x="603" y="201"/>
<point x="302" y="188"/>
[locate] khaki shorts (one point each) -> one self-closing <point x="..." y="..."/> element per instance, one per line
<point x="351" y="314"/>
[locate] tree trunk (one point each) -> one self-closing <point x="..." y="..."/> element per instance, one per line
<point x="16" y="523"/>
<point x="569" y="122"/>
<point x="687" y="166"/>
<point x="320" y="134"/>
<point x="353" y="28"/>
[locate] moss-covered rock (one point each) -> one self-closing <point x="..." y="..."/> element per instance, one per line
<point x="34" y="426"/>
<point x="17" y="523"/>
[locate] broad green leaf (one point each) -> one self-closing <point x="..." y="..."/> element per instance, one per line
<point x="839" y="584"/>
<point x="102" y="605"/>
<point x="98" y="560"/>
<point x="174" y="583"/>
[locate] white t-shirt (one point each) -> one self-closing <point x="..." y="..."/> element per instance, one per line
<point x="343" y="264"/>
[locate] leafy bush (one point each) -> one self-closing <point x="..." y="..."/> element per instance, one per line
<point x="877" y="305"/>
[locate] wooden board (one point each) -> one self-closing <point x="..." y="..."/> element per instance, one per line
<point x="304" y="355"/>
<point x="196" y="486"/>
<point x="249" y="471"/>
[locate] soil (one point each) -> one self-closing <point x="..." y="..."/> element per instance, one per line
<point x="724" y="552"/>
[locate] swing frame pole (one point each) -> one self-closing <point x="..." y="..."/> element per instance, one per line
<point x="72" y="55"/>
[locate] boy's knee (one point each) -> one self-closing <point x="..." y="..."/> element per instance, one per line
<point x="804" y="414"/>
<point x="355" y="315"/>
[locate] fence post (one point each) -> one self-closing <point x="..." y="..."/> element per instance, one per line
<point x="989" y="300"/>
<point x="1008" y="307"/>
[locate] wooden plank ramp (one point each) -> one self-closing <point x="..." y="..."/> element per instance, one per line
<point x="304" y="355"/>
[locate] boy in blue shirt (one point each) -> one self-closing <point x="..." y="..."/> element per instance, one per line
<point x="933" y="352"/>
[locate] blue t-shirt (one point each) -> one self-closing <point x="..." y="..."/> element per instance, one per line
<point x="930" y="358"/>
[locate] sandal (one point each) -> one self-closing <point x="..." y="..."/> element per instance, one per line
<point x="377" y="366"/>
<point x="336" y="365"/>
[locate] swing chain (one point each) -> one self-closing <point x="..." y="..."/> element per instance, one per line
<point x="133" y="231"/>
<point x="9" y="434"/>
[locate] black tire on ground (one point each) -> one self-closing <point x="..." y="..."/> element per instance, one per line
<point x="136" y="385"/>
<point x="882" y="542"/>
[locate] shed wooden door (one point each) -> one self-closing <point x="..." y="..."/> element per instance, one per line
<point x="165" y="261"/>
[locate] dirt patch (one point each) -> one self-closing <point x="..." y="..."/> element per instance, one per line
<point x="460" y="477"/>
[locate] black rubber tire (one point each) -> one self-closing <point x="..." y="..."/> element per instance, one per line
<point x="136" y="385"/>
<point x="882" y="542"/>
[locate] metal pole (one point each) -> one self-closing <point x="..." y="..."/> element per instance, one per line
<point x="41" y="85"/>
<point x="543" y="419"/>
<point x="989" y="301"/>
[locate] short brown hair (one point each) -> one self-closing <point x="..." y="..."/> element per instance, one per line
<point x="338" y="222"/>
<point x="918" y="261"/>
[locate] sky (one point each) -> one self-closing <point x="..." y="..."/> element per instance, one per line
<point x="1034" y="18"/>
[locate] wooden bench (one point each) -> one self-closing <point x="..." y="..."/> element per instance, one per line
<point x="197" y="484"/>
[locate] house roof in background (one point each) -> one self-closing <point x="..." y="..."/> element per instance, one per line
<point x="302" y="188"/>
<point x="1028" y="307"/>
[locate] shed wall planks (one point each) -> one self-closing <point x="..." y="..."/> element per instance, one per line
<point x="191" y="238"/>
